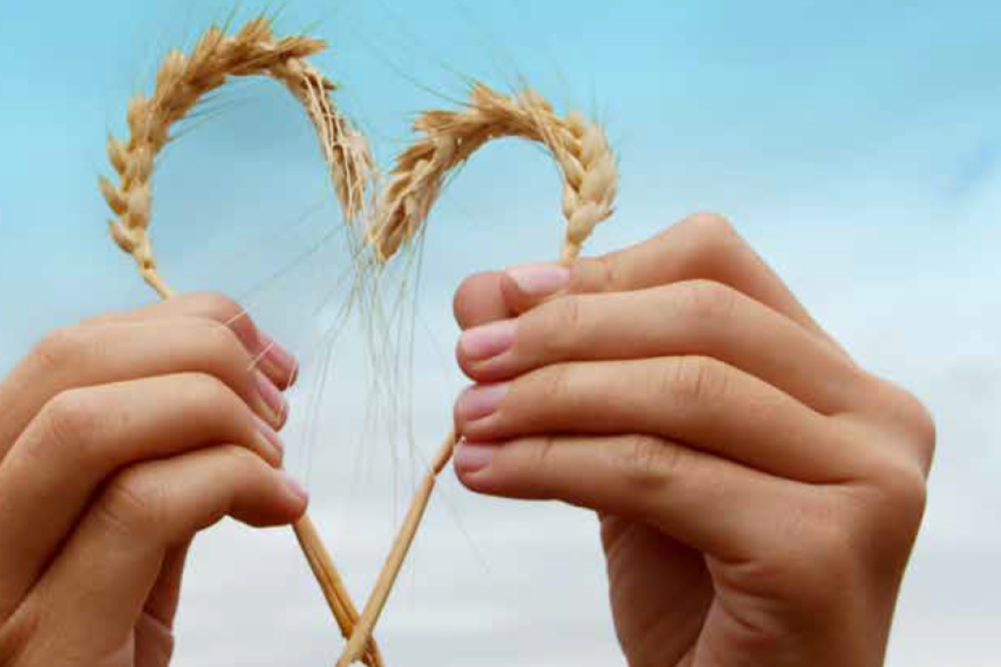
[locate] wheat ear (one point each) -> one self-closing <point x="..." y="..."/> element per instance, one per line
<point x="180" y="83"/>
<point x="183" y="80"/>
<point x="590" y="176"/>
<point x="579" y="147"/>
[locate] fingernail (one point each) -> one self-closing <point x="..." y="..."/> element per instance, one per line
<point x="277" y="359"/>
<point x="270" y="437"/>
<point x="294" y="487"/>
<point x="480" y="401"/>
<point x="488" y="341"/>
<point x="274" y="400"/>
<point x="470" y="458"/>
<point x="540" y="280"/>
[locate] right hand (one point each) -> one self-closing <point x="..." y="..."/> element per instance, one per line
<point x="121" y="438"/>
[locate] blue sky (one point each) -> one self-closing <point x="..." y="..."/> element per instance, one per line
<point x="857" y="145"/>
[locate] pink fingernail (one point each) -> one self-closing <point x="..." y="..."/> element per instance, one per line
<point x="540" y="280"/>
<point x="274" y="400"/>
<point x="480" y="401"/>
<point x="470" y="458"/>
<point x="270" y="436"/>
<point x="489" y="340"/>
<point x="295" y="487"/>
<point x="278" y="360"/>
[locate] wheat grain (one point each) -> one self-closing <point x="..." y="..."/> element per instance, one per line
<point x="590" y="183"/>
<point x="180" y="83"/>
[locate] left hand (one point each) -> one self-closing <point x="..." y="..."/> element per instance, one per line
<point x="759" y="492"/>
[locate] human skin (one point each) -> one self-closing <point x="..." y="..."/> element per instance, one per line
<point x="120" y="439"/>
<point x="759" y="493"/>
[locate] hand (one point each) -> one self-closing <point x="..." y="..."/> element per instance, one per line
<point x="120" y="439"/>
<point x="759" y="493"/>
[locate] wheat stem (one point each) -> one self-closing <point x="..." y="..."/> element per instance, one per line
<point x="355" y="649"/>
<point x="336" y="593"/>
<point x="590" y="177"/>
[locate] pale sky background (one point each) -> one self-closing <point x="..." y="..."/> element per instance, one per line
<point x="856" y="145"/>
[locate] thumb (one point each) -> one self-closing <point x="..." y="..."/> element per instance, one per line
<point x="525" y="287"/>
<point x="166" y="594"/>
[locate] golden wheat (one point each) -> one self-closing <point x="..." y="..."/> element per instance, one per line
<point x="580" y="148"/>
<point x="180" y="83"/>
<point x="590" y="184"/>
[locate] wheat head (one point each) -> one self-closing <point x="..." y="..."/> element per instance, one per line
<point x="182" y="81"/>
<point x="579" y="146"/>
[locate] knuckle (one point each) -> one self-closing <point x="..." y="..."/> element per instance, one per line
<point x="133" y="501"/>
<point x="62" y="347"/>
<point x="248" y="466"/>
<point x="712" y="227"/>
<point x="541" y="465"/>
<point x="568" y="314"/>
<point x="706" y="300"/>
<point x="555" y="382"/>
<point x="713" y="240"/>
<point x="902" y="495"/>
<point x="595" y="274"/>
<point x="919" y="424"/>
<point x="557" y="327"/>
<point x="694" y="380"/>
<point x="218" y="307"/>
<point x="645" y="462"/>
<point x="210" y="394"/>
<point x="227" y="314"/>
<point x="223" y="345"/>
<point x="560" y="326"/>
<point x="910" y="417"/>
<point x="71" y="419"/>
<point x="245" y="460"/>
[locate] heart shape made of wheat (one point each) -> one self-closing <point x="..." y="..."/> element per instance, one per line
<point x="447" y="139"/>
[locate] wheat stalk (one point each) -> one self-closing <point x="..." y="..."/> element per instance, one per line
<point x="180" y="83"/>
<point x="590" y="176"/>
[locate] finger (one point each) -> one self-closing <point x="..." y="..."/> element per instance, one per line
<point x="686" y="318"/>
<point x="88" y="355"/>
<point x="479" y="300"/>
<point x="82" y="436"/>
<point x="114" y="558"/>
<point x="679" y="595"/>
<point x="703" y="246"/>
<point x="164" y="599"/>
<point x="273" y="360"/>
<point x="716" y="506"/>
<point x="696" y="400"/>
<point x="496" y="295"/>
